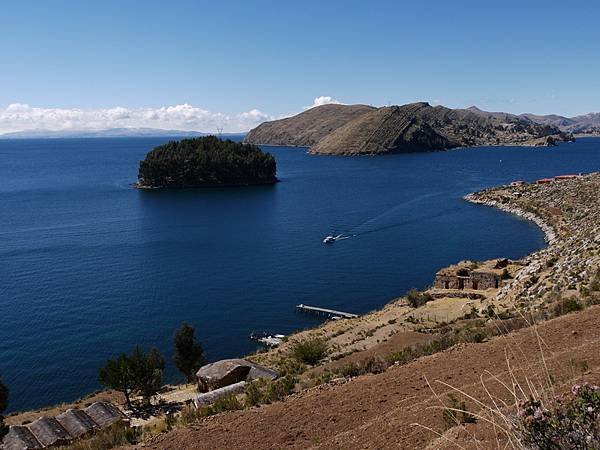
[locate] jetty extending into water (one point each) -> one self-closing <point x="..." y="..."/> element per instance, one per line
<point x="332" y="313"/>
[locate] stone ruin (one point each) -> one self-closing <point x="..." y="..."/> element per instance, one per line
<point x="63" y="429"/>
<point x="468" y="275"/>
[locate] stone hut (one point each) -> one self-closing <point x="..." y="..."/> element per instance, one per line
<point x="230" y="371"/>
<point x="468" y="275"/>
<point x="49" y="432"/>
<point x="105" y="414"/>
<point x="76" y="422"/>
<point x="19" y="437"/>
<point x="63" y="429"/>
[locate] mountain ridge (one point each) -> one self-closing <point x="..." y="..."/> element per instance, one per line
<point x="106" y="132"/>
<point x="363" y="130"/>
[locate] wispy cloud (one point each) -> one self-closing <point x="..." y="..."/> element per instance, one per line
<point x="19" y="117"/>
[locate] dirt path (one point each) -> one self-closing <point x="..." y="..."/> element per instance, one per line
<point x="379" y="411"/>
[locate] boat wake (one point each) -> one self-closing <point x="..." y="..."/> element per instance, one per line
<point x="386" y="221"/>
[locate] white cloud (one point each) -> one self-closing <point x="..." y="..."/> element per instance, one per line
<point x="324" y="100"/>
<point x="186" y="117"/>
<point x="19" y="117"/>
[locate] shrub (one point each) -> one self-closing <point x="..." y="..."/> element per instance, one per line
<point x="411" y="353"/>
<point x="114" y="436"/>
<point x="189" y="414"/>
<point x="264" y="391"/>
<point x="566" y="306"/>
<point x="225" y="403"/>
<point x="416" y="298"/>
<point x="310" y="351"/>
<point x="595" y="283"/>
<point x="505" y="275"/>
<point x="571" y="422"/>
<point x="290" y="366"/>
<point x="456" y="412"/>
<point x="472" y="334"/>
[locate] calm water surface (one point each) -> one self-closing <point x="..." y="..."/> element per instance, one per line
<point x="90" y="267"/>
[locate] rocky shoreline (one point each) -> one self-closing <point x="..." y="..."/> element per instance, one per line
<point x="549" y="233"/>
<point x="143" y="187"/>
<point x="568" y="211"/>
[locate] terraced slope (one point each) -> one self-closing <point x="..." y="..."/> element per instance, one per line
<point x="390" y="129"/>
<point x="422" y="127"/>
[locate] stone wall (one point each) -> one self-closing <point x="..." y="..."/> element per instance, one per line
<point x="474" y="281"/>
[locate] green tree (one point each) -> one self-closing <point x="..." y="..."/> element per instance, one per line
<point x="3" y="406"/>
<point x="148" y="372"/>
<point x="206" y="161"/>
<point x="117" y="374"/>
<point x="139" y="373"/>
<point x="189" y="355"/>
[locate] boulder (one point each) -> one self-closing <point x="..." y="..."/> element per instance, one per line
<point x="230" y="371"/>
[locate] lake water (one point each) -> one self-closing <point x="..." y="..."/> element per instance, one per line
<point x="90" y="267"/>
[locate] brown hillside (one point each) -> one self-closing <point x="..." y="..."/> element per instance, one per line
<point x="390" y="129"/>
<point x="306" y="128"/>
<point x="379" y="411"/>
<point x="422" y="127"/>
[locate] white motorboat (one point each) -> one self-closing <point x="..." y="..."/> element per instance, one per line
<point x="329" y="240"/>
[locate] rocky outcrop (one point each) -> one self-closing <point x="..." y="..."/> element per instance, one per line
<point x="230" y="371"/>
<point x="363" y="130"/>
<point x="306" y="128"/>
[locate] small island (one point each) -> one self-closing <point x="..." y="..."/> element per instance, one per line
<point x="205" y="162"/>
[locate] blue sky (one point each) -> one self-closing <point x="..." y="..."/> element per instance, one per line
<point x="276" y="57"/>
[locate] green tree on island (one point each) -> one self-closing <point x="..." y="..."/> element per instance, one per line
<point x="205" y="161"/>
<point x="3" y="406"/>
<point x="189" y="355"/>
<point x="136" y="374"/>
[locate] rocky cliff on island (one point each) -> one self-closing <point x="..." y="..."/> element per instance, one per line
<point x="363" y="130"/>
<point x="205" y="161"/>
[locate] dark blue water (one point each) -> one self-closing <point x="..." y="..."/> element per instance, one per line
<point x="89" y="267"/>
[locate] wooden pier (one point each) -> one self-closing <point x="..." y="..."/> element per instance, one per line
<point x="332" y="313"/>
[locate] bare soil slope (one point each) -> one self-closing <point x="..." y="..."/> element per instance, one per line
<point x="379" y="411"/>
<point x="306" y="128"/>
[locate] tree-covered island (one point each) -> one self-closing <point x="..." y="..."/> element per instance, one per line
<point x="205" y="161"/>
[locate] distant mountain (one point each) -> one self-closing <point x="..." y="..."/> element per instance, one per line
<point x="307" y="128"/>
<point x="109" y="132"/>
<point x="581" y="125"/>
<point x="364" y="130"/>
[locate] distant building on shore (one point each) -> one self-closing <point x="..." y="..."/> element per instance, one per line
<point x="467" y="275"/>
